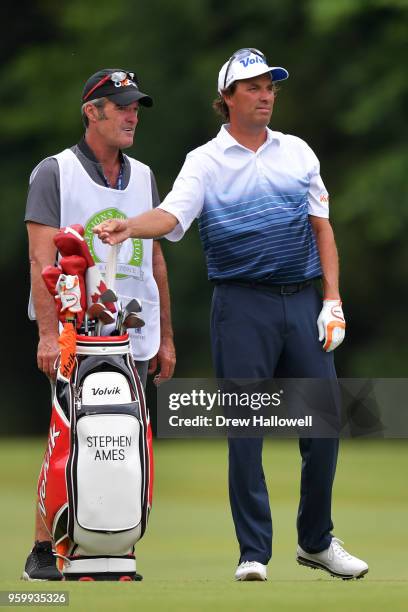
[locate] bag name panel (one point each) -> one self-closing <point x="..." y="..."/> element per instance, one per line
<point x="109" y="472"/>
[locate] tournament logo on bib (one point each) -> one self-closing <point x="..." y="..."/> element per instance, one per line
<point x="130" y="257"/>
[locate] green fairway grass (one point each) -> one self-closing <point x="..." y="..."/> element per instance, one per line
<point x="189" y="553"/>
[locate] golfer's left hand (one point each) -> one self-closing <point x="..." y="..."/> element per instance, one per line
<point x="331" y="325"/>
<point x="165" y="360"/>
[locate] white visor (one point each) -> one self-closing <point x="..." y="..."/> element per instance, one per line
<point x="247" y="67"/>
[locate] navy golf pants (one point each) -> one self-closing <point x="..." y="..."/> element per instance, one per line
<point x="259" y="334"/>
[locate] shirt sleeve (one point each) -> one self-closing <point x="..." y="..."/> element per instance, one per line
<point x="155" y="191"/>
<point x="318" y="196"/>
<point x="185" y="201"/>
<point x="43" y="200"/>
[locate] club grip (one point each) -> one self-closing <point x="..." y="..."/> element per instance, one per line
<point x="110" y="275"/>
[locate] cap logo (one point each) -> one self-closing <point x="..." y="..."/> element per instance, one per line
<point x="252" y="60"/>
<point x="124" y="83"/>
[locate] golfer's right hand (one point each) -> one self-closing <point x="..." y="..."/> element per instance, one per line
<point x="47" y="353"/>
<point x="113" y="231"/>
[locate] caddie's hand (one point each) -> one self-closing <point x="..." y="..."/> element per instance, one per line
<point x="112" y="231"/>
<point x="331" y="325"/>
<point x="165" y="360"/>
<point x="47" y="353"/>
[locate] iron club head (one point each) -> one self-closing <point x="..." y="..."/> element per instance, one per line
<point x="108" y="296"/>
<point x="133" y="321"/>
<point x="98" y="311"/>
<point x="134" y="306"/>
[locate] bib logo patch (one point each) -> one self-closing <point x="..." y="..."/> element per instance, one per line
<point x="131" y="252"/>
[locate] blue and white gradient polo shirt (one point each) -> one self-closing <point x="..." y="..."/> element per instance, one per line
<point x="252" y="207"/>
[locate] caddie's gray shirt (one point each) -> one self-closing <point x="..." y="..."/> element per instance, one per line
<point x="43" y="200"/>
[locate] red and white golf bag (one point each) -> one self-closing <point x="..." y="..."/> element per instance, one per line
<point x="95" y="485"/>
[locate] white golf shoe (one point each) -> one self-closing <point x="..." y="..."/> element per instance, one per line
<point x="335" y="560"/>
<point x="251" y="570"/>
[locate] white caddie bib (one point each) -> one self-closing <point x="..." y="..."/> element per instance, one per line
<point x="85" y="202"/>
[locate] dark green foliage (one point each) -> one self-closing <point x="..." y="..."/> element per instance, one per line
<point x="346" y="95"/>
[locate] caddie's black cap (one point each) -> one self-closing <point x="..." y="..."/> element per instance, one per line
<point x="116" y="84"/>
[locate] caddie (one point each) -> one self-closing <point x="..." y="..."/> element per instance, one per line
<point x="263" y="216"/>
<point x="86" y="184"/>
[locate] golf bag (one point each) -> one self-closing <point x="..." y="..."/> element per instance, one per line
<point x="95" y="485"/>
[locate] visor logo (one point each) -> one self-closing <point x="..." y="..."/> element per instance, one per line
<point x="254" y="59"/>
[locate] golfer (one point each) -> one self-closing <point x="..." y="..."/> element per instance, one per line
<point x="91" y="181"/>
<point x="262" y="211"/>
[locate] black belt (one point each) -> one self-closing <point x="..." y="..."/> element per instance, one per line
<point x="280" y="289"/>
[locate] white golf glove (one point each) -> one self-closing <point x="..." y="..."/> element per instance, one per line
<point x="69" y="292"/>
<point x="331" y="325"/>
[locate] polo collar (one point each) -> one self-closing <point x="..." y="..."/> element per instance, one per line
<point x="86" y="150"/>
<point x="226" y="141"/>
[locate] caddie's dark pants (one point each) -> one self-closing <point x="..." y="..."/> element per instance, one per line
<point x="258" y="334"/>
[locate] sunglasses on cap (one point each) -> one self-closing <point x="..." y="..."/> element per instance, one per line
<point x="118" y="78"/>
<point x="240" y="54"/>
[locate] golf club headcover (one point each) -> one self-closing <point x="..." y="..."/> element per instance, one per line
<point x="331" y="325"/>
<point x="76" y="265"/>
<point x="70" y="295"/>
<point x="67" y="344"/>
<point x="70" y="241"/>
<point x="95" y="286"/>
<point x="50" y="275"/>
